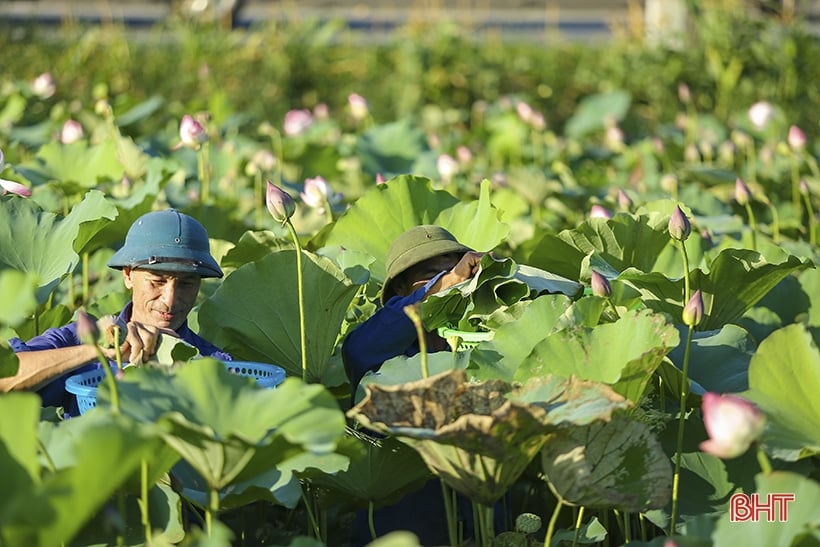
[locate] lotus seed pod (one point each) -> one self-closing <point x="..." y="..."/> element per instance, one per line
<point x="529" y="523"/>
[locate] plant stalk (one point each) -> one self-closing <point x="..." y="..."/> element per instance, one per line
<point x="763" y="460"/>
<point x="301" y="296"/>
<point x="684" y="393"/>
<point x="109" y="376"/>
<point x="413" y="313"/>
<point x="204" y="172"/>
<point x="811" y="220"/>
<point x="685" y="257"/>
<point x="553" y="519"/>
<point x="146" y="518"/>
<point x="578" y="523"/>
<point x="752" y="225"/>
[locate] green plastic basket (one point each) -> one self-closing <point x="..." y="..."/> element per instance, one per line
<point x="461" y="340"/>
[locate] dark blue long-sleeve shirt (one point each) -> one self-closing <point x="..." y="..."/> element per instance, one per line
<point x="54" y="393"/>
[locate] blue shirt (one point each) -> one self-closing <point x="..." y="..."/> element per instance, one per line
<point x="54" y="393"/>
<point x="386" y="334"/>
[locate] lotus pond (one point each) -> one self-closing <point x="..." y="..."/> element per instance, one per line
<point x="645" y="405"/>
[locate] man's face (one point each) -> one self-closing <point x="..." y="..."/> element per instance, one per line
<point x="416" y="276"/>
<point x="161" y="299"/>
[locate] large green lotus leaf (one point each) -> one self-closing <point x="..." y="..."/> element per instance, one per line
<point x="387" y="471"/>
<point x="76" y="163"/>
<point x="476" y="223"/>
<point x="719" y="359"/>
<point x="261" y="325"/>
<point x="253" y="245"/>
<point x="17" y="296"/>
<point x="623" y="354"/>
<point x="624" y="241"/>
<point x="784" y="380"/>
<point x="391" y="149"/>
<point x="810" y="282"/>
<point x="222" y="424"/>
<point x="400" y="204"/>
<point x="737" y="279"/>
<point x="93" y="456"/>
<point x="38" y="242"/>
<point x="618" y="464"/>
<point x="593" y="112"/>
<point x="9" y="363"/>
<point x="513" y="341"/>
<point x="19" y="414"/>
<point x="803" y="519"/>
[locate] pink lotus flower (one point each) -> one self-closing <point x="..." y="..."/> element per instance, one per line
<point x="598" y="211"/>
<point x="297" y="122"/>
<point x="692" y="313"/>
<point x="796" y="138"/>
<point x="9" y="186"/>
<point x="280" y="205"/>
<point x="43" y="86"/>
<point x="318" y="194"/>
<point x="447" y="167"/>
<point x="732" y="423"/>
<point x="191" y="133"/>
<point x="72" y="131"/>
<point x="760" y="114"/>
<point x="358" y="106"/>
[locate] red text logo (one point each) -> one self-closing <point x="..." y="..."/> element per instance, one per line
<point x="754" y="508"/>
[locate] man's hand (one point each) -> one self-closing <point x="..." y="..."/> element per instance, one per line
<point x="466" y="268"/>
<point x="141" y="342"/>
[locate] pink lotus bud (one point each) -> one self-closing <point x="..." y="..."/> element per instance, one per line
<point x="679" y="225"/>
<point x="464" y="155"/>
<point x="732" y="423"/>
<point x="191" y="133"/>
<point x="796" y="138"/>
<point x="9" y="186"/>
<point x="358" y="106"/>
<point x="261" y="162"/>
<point x="598" y="211"/>
<point x="760" y="114"/>
<point x="804" y="187"/>
<point x="684" y="94"/>
<point x="72" y="132"/>
<point x="742" y="193"/>
<point x="318" y="193"/>
<point x="279" y="202"/>
<point x="321" y="111"/>
<point x="693" y="311"/>
<point x="600" y="285"/>
<point x="447" y="167"/>
<point x="87" y="330"/>
<point x="297" y="122"/>
<point x="43" y="86"/>
<point x="380" y="179"/>
<point x="624" y="201"/>
<point x="524" y="111"/>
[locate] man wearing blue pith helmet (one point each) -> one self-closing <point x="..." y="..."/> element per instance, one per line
<point x="165" y="256"/>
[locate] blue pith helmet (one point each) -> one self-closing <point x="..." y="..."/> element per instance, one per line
<point x="167" y="241"/>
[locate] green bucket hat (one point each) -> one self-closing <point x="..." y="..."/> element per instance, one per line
<point x="167" y="241"/>
<point x="413" y="247"/>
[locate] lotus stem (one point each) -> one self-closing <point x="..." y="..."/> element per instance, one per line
<point x="450" y="512"/>
<point x="752" y="225"/>
<point x="260" y="198"/>
<point x="763" y="460"/>
<point x="684" y="393"/>
<point x="486" y="514"/>
<point x="811" y="220"/>
<point x="204" y="172"/>
<point x="109" y="377"/>
<point x="146" y="518"/>
<point x="211" y="510"/>
<point x="685" y="257"/>
<point x="796" y="185"/>
<point x="775" y="223"/>
<point x="642" y="520"/>
<point x="751" y="160"/>
<point x="413" y="313"/>
<point x="312" y="517"/>
<point x="85" y="278"/>
<point x="578" y="523"/>
<point x="301" y="296"/>
<point x="553" y="520"/>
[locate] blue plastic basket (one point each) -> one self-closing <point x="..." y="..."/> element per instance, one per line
<point x="84" y="385"/>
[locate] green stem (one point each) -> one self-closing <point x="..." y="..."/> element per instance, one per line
<point x="684" y="393"/>
<point x="685" y="257"/>
<point x="776" y="223"/>
<point x="370" y="522"/>
<point x="627" y="528"/>
<point x="212" y="510"/>
<point x="85" y="278"/>
<point x="260" y="198"/>
<point x="578" y="523"/>
<point x="276" y="139"/>
<point x="614" y="309"/>
<point x="763" y="460"/>
<point x="553" y="519"/>
<point x="109" y="377"/>
<point x="811" y="220"/>
<point x="49" y="462"/>
<point x="204" y="172"/>
<point x="146" y="518"/>
<point x="413" y="313"/>
<point x="751" y="160"/>
<point x="450" y="512"/>
<point x="311" y="516"/>
<point x="642" y="520"/>
<point x="796" y="185"/>
<point x="301" y="296"/>
<point x="752" y="225"/>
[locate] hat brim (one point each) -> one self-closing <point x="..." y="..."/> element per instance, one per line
<point x="202" y="264"/>
<point x="417" y="255"/>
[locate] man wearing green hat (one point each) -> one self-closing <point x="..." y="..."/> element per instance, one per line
<point x="422" y="261"/>
<point x="165" y="256"/>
